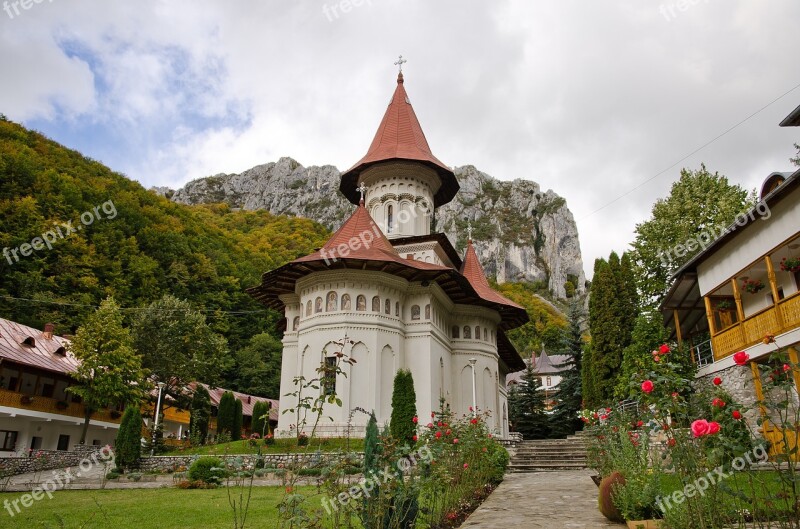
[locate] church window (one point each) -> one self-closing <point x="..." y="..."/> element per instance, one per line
<point x="318" y="305"/>
<point x="387" y="306"/>
<point x="414" y="312"/>
<point x="455" y="331"/>
<point x="477" y="332"/>
<point x="295" y="323"/>
<point x="376" y="304"/>
<point x="333" y="300"/>
<point x="428" y="311"/>
<point x="308" y="308"/>
<point x="467" y="332"/>
<point x="361" y="303"/>
<point x="329" y="377"/>
<point x="485" y="335"/>
<point x="397" y="308"/>
<point x="389" y="218"/>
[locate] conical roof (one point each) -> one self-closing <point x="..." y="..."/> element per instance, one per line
<point x="400" y="137"/>
<point x="473" y="271"/>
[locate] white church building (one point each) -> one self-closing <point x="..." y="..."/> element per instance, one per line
<point x="403" y="296"/>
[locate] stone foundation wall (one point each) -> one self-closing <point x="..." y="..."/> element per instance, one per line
<point x="172" y="463"/>
<point x="41" y="460"/>
<point x="738" y="381"/>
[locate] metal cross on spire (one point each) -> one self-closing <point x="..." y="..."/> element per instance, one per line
<point x="469" y="231"/>
<point x="363" y="190"/>
<point x="400" y="62"/>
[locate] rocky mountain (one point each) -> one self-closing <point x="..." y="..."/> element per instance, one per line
<point x="521" y="233"/>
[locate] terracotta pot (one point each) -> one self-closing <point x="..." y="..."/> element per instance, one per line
<point x="644" y="524"/>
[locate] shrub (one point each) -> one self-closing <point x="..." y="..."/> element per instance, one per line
<point x="113" y="475"/>
<point x="404" y="408"/>
<point x="135" y="476"/>
<point x="128" y="445"/>
<point x="200" y="416"/>
<point x="225" y="417"/>
<point x="236" y="432"/>
<point x="269" y="439"/>
<point x="302" y="440"/>
<point x="209" y="470"/>
<point x="260" y="424"/>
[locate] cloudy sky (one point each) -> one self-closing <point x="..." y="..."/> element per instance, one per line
<point x="596" y="100"/>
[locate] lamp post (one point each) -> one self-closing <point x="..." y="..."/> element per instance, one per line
<point x="158" y="412"/>
<point x="472" y="362"/>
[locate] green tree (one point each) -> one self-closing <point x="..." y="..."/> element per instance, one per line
<point x="238" y="419"/>
<point x="258" y="366"/>
<point x="110" y="371"/>
<point x="404" y="408"/>
<point x="128" y="445"/>
<point x="699" y="206"/>
<point x="529" y="417"/>
<point x="226" y="421"/>
<point x="564" y="420"/>
<point x="200" y="415"/>
<point x="260" y="424"/>
<point x="177" y="345"/>
<point x="648" y="335"/>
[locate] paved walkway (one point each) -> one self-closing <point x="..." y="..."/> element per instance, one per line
<point x="551" y="500"/>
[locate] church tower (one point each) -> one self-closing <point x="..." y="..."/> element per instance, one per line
<point x="405" y="182"/>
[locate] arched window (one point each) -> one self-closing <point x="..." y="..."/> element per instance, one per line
<point x="477" y="332"/>
<point x="376" y="304"/>
<point x="387" y="306"/>
<point x="397" y="308"/>
<point x="454" y="331"/>
<point x="308" y="308"/>
<point x="428" y="311"/>
<point x="414" y="312"/>
<point x="332" y="301"/>
<point x="467" y="332"/>
<point x="318" y="305"/>
<point x="389" y="218"/>
<point x="295" y="323"/>
<point x="346" y="305"/>
<point x="493" y="337"/>
<point x="485" y="335"/>
<point x="361" y="303"/>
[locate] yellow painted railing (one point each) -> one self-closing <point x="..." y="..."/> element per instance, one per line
<point x="177" y="415"/>
<point x="13" y="399"/>
<point x="777" y="442"/>
<point x="752" y="330"/>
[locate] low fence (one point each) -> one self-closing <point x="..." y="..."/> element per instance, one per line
<point x="167" y="464"/>
<point x="40" y="460"/>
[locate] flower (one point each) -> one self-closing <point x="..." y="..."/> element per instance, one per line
<point x="438" y="435"/>
<point x="718" y="403"/>
<point x="736" y="414"/>
<point x="664" y="349"/>
<point x="473" y="421"/>
<point x="415" y="420"/>
<point x="769" y="338"/>
<point x="470" y="408"/>
<point x="672" y="442"/>
<point x="603" y="417"/>
<point x="433" y="415"/>
<point x="448" y="432"/>
<point x="656" y="359"/>
<point x="786" y="368"/>
<point x="700" y="427"/>
<point x="414" y="438"/>
<point x="741" y="358"/>
<point x="430" y="425"/>
<point x="455" y="441"/>
<point x="639" y="424"/>
<point x="484" y="449"/>
<point x="439" y="424"/>
<point x="647" y="386"/>
<point x="713" y="427"/>
<point x="717" y="381"/>
<point x="466" y="465"/>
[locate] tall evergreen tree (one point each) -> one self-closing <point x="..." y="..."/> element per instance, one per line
<point x="200" y="415"/>
<point x="110" y="371"/>
<point x="564" y="420"/>
<point x="238" y="420"/>
<point x="404" y="408"/>
<point x="260" y="424"/>
<point x="226" y="413"/>
<point x="648" y="334"/>
<point x="128" y="446"/>
<point x="531" y="420"/>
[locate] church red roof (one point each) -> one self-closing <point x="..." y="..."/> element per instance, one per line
<point x="400" y="137"/>
<point x="473" y="271"/>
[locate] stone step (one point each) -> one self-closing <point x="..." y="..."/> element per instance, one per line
<point x="545" y="468"/>
<point x="548" y="457"/>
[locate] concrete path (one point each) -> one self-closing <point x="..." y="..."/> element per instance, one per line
<point x="551" y="500"/>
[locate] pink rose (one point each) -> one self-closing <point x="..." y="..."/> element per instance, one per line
<point x="647" y="386"/>
<point x="700" y="427"/>
<point x="741" y="358"/>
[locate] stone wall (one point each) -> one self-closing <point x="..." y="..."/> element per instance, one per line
<point x="172" y="463"/>
<point x="41" y="460"/>
<point x="738" y="381"/>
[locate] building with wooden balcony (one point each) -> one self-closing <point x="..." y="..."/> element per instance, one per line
<point x="742" y="289"/>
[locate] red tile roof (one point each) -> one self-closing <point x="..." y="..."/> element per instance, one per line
<point x="400" y="137"/>
<point x="248" y="401"/>
<point x="473" y="271"/>
<point x="48" y="353"/>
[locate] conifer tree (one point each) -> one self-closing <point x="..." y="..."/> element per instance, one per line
<point x="128" y="446"/>
<point x="238" y="419"/>
<point x="564" y="420"/>
<point x="200" y="414"/>
<point x="531" y="420"/>
<point x="260" y="424"/>
<point x="404" y="408"/>
<point x="226" y="413"/>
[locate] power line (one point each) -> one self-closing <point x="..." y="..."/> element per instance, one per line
<point x="235" y="312"/>
<point x="693" y="152"/>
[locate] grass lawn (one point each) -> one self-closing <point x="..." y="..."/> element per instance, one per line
<point x="281" y="446"/>
<point x="142" y="509"/>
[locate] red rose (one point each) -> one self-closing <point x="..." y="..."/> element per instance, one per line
<point x="448" y="432"/>
<point x="466" y="465"/>
<point x="786" y="368"/>
<point x="455" y="441"/>
<point x="438" y="435"/>
<point x="604" y="417"/>
<point x="639" y="424"/>
<point x="414" y="420"/>
<point x="713" y="427"/>
<point x="672" y="442"/>
<point x="741" y="358"/>
<point x="473" y="421"/>
<point x="414" y="438"/>
<point x="430" y="425"/>
<point x="700" y="427"/>
<point x="736" y="415"/>
<point x="717" y="381"/>
<point x="647" y="386"/>
<point x="664" y="349"/>
<point x="433" y="415"/>
<point x="719" y="403"/>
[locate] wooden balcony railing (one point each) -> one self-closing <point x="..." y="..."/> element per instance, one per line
<point x="749" y="332"/>
<point x="13" y="399"/>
